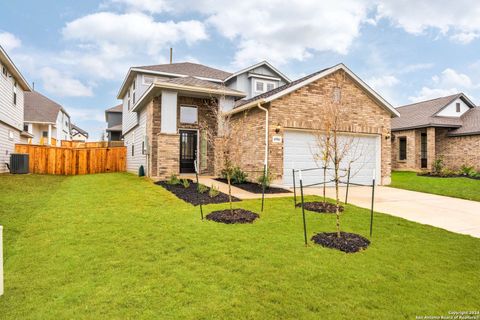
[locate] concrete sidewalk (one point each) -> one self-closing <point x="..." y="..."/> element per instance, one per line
<point x="456" y="215"/>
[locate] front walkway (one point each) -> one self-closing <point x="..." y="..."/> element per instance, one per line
<point x="456" y="215"/>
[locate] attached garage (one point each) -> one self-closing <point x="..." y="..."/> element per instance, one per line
<point x="301" y="147"/>
<point x="286" y="119"/>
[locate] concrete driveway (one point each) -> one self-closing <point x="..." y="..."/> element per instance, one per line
<point x="456" y="215"/>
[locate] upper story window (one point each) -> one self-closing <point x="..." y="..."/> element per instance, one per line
<point x="188" y="114"/>
<point x="457" y="107"/>
<point x="14" y="92"/>
<point x="4" y="71"/>
<point x="261" y="86"/>
<point x="128" y="99"/>
<point x="133" y="91"/>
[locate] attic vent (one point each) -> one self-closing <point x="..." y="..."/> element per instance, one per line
<point x="458" y="107"/>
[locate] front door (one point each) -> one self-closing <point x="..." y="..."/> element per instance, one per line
<point x="423" y="150"/>
<point x="188" y="151"/>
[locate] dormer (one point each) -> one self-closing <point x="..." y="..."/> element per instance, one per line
<point x="257" y="79"/>
<point x="456" y="108"/>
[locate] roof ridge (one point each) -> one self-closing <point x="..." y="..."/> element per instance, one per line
<point x="428" y="100"/>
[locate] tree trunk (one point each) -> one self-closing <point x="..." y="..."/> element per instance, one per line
<point x="324" y="184"/>
<point x="230" y="193"/>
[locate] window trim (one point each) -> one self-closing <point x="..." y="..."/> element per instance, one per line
<point x="265" y="85"/>
<point x="180" y="113"/>
<point x="458" y="108"/>
<point x="400" y="140"/>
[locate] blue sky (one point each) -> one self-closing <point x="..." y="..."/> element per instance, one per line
<point x="77" y="52"/>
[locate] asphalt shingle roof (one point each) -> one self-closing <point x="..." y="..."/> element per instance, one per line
<point x="470" y="123"/>
<point x="39" y="108"/>
<point x="194" y="82"/>
<point x="189" y="69"/>
<point x="79" y="130"/>
<point x="117" y="108"/>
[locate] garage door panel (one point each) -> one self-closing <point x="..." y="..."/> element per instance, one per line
<point x="301" y="149"/>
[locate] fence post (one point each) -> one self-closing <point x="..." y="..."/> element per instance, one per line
<point x="263" y="183"/>
<point x="198" y="183"/>
<point x="348" y="184"/>
<point x="294" y="189"/>
<point x="303" y="209"/>
<point x="371" y="209"/>
<point x="1" y="260"/>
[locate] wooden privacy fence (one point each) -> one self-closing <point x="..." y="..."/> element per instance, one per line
<point x="73" y="161"/>
<point x="100" y="144"/>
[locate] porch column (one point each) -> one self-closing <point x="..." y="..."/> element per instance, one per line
<point x="49" y="142"/>
<point x="430" y="147"/>
<point x="169" y="112"/>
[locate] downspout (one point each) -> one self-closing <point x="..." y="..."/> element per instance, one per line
<point x="266" y="133"/>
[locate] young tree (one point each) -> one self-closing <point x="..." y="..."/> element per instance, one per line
<point x="224" y="137"/>
<point x="335" y="149"/>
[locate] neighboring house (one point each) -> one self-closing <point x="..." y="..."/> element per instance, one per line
<point x="447" y="128"/>
<point x="46" y="120"/>
<point x="162" y="131"/>
<point x="113" y="117"/>
<point x="78" y="134"/>
<point x="12" y="88"/>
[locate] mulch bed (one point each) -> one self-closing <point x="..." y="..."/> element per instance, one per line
<point x="238" y="216"/>
<point x="434" y="175"/>
<point x="320" y="206"/>
<point x="348" y="242"/>
<point x="255" y="187"/>
<point x="191" y="195"/>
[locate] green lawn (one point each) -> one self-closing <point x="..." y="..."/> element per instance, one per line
<point x="463" y="188"/>
<point x="117" y="246"/>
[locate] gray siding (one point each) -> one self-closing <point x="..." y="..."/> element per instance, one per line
<point x="7" y="145"/>
<point x="113" y="119"/>
<point x="136" y="137"/>
<point x="10" y="113"/>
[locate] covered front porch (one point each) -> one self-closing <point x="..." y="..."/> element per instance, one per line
<point x="414" y="149"/>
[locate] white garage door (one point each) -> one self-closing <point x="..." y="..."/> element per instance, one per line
<point x="301" y="149"/>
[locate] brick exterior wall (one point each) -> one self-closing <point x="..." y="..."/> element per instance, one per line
<point x="455" y="151"/>
<point x="164" y="149"/>
<point x="458" y="151"/>
<point x="302" y="109"/>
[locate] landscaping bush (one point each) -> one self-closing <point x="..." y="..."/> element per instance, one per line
<point x="237" y="176"/>
<point x="185" y="183"/>
<point x="267" y="178"/>
<point x="438" y="165"/>
<point x="202" y="188"/>
<point x="468" y="171"/>
<point x="173" y="180"/>
<point x="213" y="192"/>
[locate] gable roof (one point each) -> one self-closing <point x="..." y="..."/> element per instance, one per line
<point x="41" y="109"/>
<point x="188" y="69"/>
<point x="79" y="130"/>
<point x="12" y="68"/>
<point x="299" y="83"/>
<point x="470" y="123"/>
<point x="117" y="108"/>
<point x="261" y="63"/>
<point x="424" y="114"/>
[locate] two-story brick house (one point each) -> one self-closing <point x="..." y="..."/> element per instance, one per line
<point x="12" y="88"/>
<point x="163" y="106"/>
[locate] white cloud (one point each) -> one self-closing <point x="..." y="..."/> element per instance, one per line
<point x="446" y="83"/>
<point x="9" y="41"/>
<point x="385" y="85"/>
<point x="457" y="19"/>
<point x="152" y="6"/>
<point x="61" y="84"/>
<point x="87" y="114"/>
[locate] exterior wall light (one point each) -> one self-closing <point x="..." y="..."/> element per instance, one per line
<point x="277" y="128"/>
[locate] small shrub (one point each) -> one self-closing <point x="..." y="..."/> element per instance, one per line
<point x="185" y="183"/>
<point x="201" y="188"/>
<point x="447" y="173"/>
<point x="438" y="165"/>
<point x="237" y="175"/>
<point x="173" y="180"/>
<point x="468" y="171"/>
<point x="267" y="178"/>
<point x="213" y="192"/>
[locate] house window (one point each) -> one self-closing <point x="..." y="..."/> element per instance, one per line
<point x="262" y="86"/>
<point x="45" y="134"/>
<point x="25" y="127"/>
<point x="4" y="71"/>
<point x="188" y="114"/>
<point x="458" y="106"/>
<point x="10" y="135"/>
<point x="133" y="144"/>
<point x="133" y="91"/>
<point x="402" y="152"/>
<point x="15" y="92"/>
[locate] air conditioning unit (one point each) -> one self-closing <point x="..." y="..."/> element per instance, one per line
<point x="19" y="163"/>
